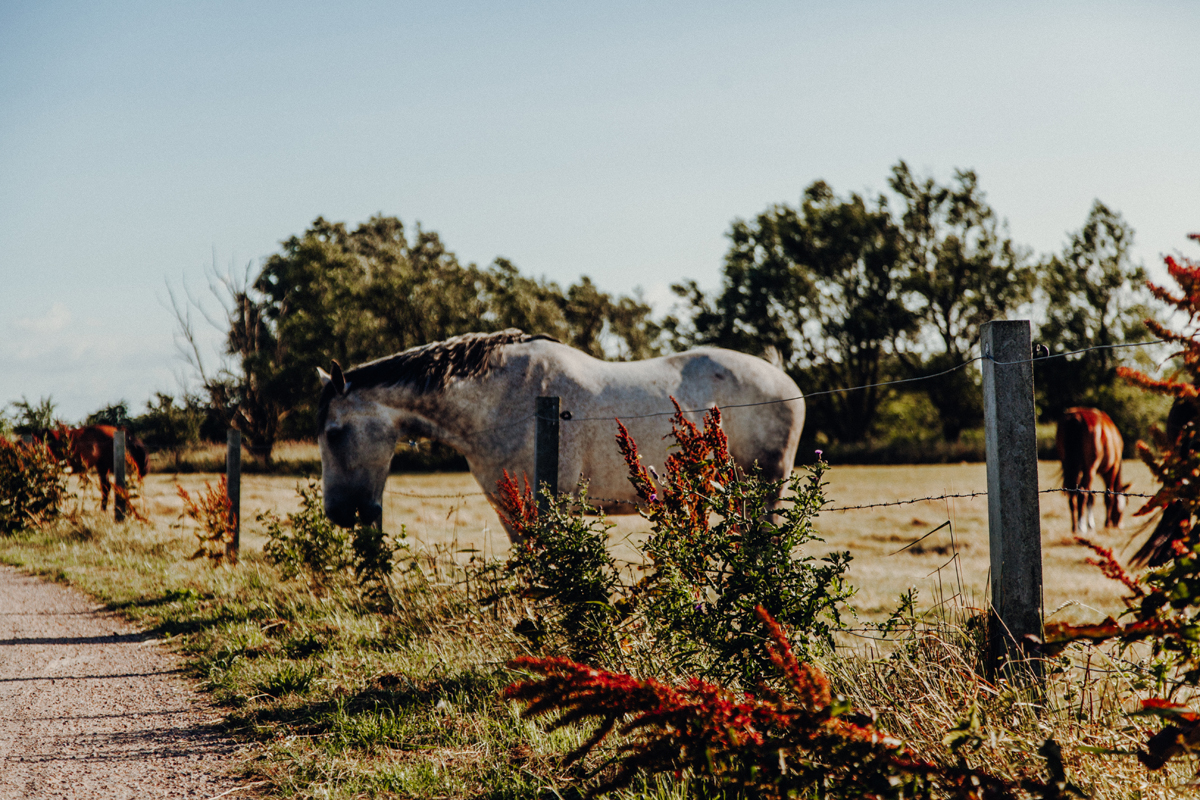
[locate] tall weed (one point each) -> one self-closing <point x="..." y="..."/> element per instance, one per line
<point x="33" y="485"/>
<point x="212" y="511"/>
<point x="722" y="544"/>
<point x="307" y="543"/>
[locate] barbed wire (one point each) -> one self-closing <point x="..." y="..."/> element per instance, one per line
<point x="434" y="496"/>
<point x="905" y="502"/>
<point x="886" y="504"/>
<point x="980" y="494"/>
<point x="1050" y="356"/>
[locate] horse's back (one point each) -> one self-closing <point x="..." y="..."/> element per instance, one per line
<point x="762" y="409"/>
<point x="1088" y="441"/>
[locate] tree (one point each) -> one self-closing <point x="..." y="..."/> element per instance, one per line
<point x="32" y="417"/>
<point x="356" y="295"/>
<point x="170" y="426"/>
<point x="821" y="284"/>
<point x="1094" y="298"/>
<point x="115" y="414"/>
<point x="961" y="270"/>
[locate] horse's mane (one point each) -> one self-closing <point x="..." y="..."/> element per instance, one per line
<point x="429" y="367"/>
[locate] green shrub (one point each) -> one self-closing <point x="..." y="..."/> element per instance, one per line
<point x="564" y="558"/>
<point x="33" y="484"/>
<point x="307" y="542"/>
<point x="720" y="547"/>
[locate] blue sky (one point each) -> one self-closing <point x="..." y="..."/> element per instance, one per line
<point x="139" y="142"/>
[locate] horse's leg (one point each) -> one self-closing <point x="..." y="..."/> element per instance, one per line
<point x="104" y="488"/>
<point x="1074" y="499"/>
<point x="1088" y="475"/>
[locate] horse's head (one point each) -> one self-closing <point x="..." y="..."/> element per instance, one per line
<point x="357" y="437"/>
<point x="141" y="456"/>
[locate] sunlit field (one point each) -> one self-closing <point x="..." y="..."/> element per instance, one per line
<point x="447" y="513"/>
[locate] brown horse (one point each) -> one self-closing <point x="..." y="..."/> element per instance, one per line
<point x="91" y="447"/>
<point x="1089" y="444"/>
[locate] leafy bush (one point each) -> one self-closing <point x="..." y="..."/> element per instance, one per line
<point x="307" y="542"/>
<point x="33" y="485"/>
<point x="720" y="546"/>
<point x="708" y="577"/>
<point x="564" y="557"/>
<point x="800" y="741"/>
<point x="171" y="427"/>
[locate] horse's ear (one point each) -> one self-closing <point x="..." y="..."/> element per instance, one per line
<point x="338" y="379"/>
<point x="324" y="376"/>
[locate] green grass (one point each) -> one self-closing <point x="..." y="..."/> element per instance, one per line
<point x="341" y="702"/>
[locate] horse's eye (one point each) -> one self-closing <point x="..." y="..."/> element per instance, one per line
<point x="333" y="435"/>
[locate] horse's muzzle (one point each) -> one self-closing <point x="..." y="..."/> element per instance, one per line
<point x="348" y="513"/>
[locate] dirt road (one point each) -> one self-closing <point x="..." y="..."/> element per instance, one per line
<point x="92" y="708"/>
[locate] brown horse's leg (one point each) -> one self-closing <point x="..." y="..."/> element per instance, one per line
<point x="104" y="487"/>
<point x="1086" y="483"/>
<point x="1075" y="500"/>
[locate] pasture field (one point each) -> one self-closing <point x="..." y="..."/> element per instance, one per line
<point x="335" y="700"/>
<point x="446" y="513"/>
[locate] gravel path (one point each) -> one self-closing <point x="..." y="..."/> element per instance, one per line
<point x="90" y="707"/>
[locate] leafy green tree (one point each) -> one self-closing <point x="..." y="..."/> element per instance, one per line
<point x="116" y="414"/>
<point x="1095" y="297"/>
<point x="170" y="426"/>
<point x="30" y="417"/>
<point x="822" y="285"/>
<point x="355" y="295"/>
<point x="961" y="270"/>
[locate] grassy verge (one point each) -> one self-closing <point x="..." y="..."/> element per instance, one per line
<point x="346" y="702"/>
<point x="343" y="701"/>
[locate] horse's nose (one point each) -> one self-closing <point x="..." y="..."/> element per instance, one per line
<point x="346" y="513"/>
<point x="373" y="515"/>
<point x="341" y="513"/>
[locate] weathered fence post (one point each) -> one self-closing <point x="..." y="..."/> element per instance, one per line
<point x="545" y="451"/>
<point x="1014" y="519"/>
<point x="233" y="484"/>
<point x="120" y="495"/>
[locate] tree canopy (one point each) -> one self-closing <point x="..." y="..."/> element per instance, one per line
<point x="843" y="290"/>
<point x="355" y="295"/>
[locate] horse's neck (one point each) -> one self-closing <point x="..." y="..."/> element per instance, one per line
<point x="453" y="417"/>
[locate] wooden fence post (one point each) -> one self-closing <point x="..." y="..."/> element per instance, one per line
<point x="233" y="483"/>
<point x="118" y="484"/>
<point x="545" y="452"/>
<point x="1014" y="518"/>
